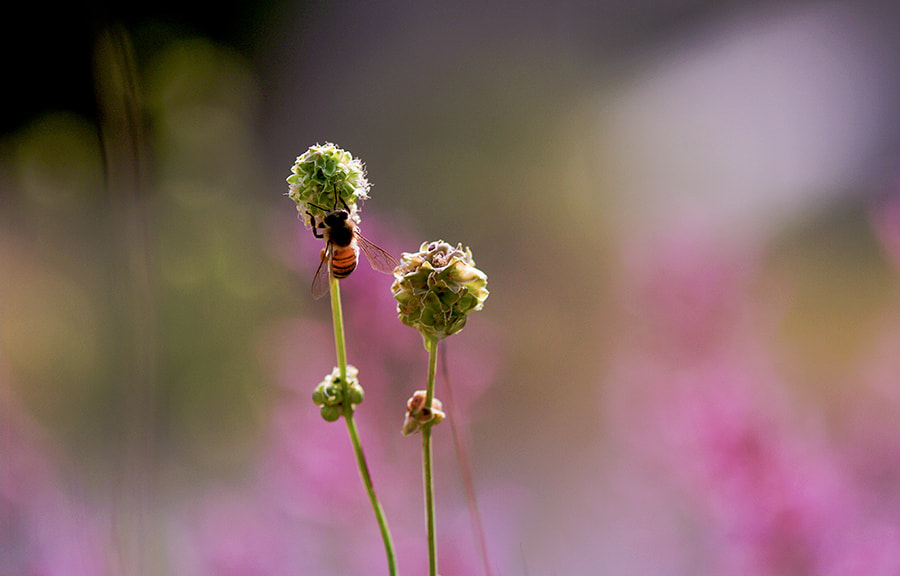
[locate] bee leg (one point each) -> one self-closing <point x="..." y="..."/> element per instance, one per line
<point x="315" y="226"/>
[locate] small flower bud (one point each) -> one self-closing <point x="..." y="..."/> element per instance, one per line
<point x="318" y="174"/>
<point x="329" y="394"/>
<point x="330" y="413"/>
<point x="356" y="393"/>
<point x="437" y="287"/>
<point x="417" y="414"/>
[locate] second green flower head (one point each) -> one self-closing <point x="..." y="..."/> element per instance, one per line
<point x="437" y="287"/>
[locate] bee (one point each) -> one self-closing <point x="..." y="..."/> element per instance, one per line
<point x="341" y="252"/>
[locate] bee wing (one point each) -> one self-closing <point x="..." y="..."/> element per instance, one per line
<point x="323" y="273"/>
<point x="378" y="258"/>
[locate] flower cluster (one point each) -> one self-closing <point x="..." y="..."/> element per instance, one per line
<point x="437" y="287"/>
<point x="329" y="394"/>
<point x="417" y="414"/>
<point x="326" y="177"/>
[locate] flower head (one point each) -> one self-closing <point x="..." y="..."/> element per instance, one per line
<point x="418" y="415"/>
<point x="330" y="393"/>
<point x="437" y="287"/>
<point x="322" y="172"/>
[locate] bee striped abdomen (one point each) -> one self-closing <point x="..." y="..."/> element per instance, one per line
<point x="344" y="260"/>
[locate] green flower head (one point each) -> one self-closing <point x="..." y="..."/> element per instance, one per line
<point x="437" y="287"/>
<point x="320" y="173"/>
<point x="329" y="394"/>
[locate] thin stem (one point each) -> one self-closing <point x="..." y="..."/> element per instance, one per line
<point x="465" y="467"/>
<point x="370" y="490"/>
<point x="431" y="344"/>
<point x="338" y="320"/>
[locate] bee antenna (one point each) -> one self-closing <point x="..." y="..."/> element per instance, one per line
<point x="338" y="197"/>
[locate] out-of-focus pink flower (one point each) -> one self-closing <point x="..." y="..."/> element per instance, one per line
<point x="230" y="532"/>
<point x="886" y="224"/>
<point x="682" y="296"/>
<point x="44" y="530"/>
<point x="694" y="393"/>
<point x="870" y="428"/>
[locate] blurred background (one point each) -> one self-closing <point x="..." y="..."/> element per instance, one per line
<point x="688" y="212"/>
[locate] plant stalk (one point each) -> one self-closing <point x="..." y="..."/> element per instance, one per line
<point x="431" y="344"/>
<point x="338" y="321"/>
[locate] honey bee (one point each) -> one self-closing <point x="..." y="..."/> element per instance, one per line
<point x="341" y="252"/>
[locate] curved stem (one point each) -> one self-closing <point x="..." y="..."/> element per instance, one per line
<point x="338" y="321"/>
<point x="431" y="344"/>
<point x="370" y="490"/>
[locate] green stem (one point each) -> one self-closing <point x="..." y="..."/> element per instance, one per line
<point x="370" y="490"/>
<point x="338" y="320"/>
<point x="431" y="344"/>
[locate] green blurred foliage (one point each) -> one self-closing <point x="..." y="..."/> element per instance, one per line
<point x="833" y="285"/>
<point x="95" y="278"/>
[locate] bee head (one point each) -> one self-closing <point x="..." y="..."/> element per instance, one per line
<point x="336" y="218"/>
